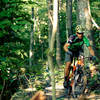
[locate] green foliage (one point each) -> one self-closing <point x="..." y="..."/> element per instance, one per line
<point x="96" y="35"/>
<point x="95" y="9"/>
<point x="94" y="83"/>
<point x="12" y="16"/>
<point x="62" y="30"/>
<point x="15" y="28"/>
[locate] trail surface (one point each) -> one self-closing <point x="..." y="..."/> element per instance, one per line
<point x="61" y="94"/>
<point x="26" y="94"/>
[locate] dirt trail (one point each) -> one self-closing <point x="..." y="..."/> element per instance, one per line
<point x="26" y="94"/>
<point x="61" y="95"/>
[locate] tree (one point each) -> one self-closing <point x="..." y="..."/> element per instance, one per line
<point x="51" y="48"/>
<point x="31" y="41"/>
<point x="14" y="20"/>
<point x="50" y="19"/>
<point x="68" y="18"/>
<point x="83" y="19"/>
<point x="58" y="46"/>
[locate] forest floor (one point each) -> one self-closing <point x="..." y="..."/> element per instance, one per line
<point x="26" y="94"/>
<point x="61" y="94"/>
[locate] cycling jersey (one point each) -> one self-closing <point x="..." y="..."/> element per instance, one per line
<point x="76" y="44"/>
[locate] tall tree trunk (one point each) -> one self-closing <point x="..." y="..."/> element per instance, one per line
<point x="58" y="47"/>
<point x="88" y="22"/>
<point x="52" y="41"/>
<point x="89" y="25"/>
<point x="83" y="19"/>
<point x="60" y="4"/>
<point x="54" y="31"/>
<point x="68" y="18"/>
<point x="31" y="42"/>
<point x="50" y="20"/>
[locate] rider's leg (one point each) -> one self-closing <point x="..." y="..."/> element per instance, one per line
<point x="68" y="60"/>
<point x="67" y="69"/>
<point x="66" y="74"/>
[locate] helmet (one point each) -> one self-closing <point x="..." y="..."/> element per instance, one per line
<point x="79" y="29"/>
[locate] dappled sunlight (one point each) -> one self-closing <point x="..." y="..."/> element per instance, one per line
<point x="30" y="89"/>
<point x="31" y="32"/>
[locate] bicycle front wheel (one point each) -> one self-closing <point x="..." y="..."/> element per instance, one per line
<point x="79" y="84"/>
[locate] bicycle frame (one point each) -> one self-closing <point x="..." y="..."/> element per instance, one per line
<point x="77" y="77"/>
<point x="77" y="80"/>
<point x="74" y="75"/>
<point x="79" y="62"/>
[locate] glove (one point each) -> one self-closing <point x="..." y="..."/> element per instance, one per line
<point x="69" y="52"/>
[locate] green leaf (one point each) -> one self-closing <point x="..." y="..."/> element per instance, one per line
<point x="5" y="22"/>
<point x="19" y="18"/>
<point x="5" y="77"/>
<point x="22" y="22"/>
<point x="3" y="14"/>
<point x="1" y="86"/>
<point x="16" y="27"/>
<point x="5" y="1"/>
<point x="2" y="33"/>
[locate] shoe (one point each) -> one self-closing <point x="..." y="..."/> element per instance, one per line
<point x="66" y="83"/>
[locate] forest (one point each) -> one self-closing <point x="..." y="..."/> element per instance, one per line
<point x="32" y="37"/>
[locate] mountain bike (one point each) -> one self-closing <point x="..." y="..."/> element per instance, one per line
<point x="77" y="78"/>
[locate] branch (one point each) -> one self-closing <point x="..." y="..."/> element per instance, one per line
<point x="2" y="90"/>
<point x="95" y="24"/>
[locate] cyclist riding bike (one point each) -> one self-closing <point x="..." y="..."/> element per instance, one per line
<point x="73" y="48"/>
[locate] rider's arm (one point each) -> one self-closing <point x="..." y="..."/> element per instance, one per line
<point x="66" y="47"/>
<point x="86" y="41"/>
<point x="68" y="43"/>
<point x="91" y="51"/>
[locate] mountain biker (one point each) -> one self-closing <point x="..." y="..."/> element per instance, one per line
<point x="73" y="48"/>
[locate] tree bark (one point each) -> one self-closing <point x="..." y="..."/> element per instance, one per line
<point x="58" y="47"/>
<point x="52" y="41"/>
<point x="68" y="18"/>
<point x="89" y="25"/>
<point x="60" y="4"/>
<point x="31" y="42"/>
<point x="85" y="19"/>
<point x="50" y="20"/>
<point x="82" y="5"/>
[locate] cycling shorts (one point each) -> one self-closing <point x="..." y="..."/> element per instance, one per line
<point x="69" y="57"/>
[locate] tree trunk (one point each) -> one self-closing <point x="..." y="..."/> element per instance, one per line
<point x="85" y="19"/>
<point x="50" y="20"/>
<point x="54" y="31"/>
<point x="52" y="41"/>
<point x="31" y="42"/>
<point x="68" y="18"/>
<point x="58" y="47"/>
<point x="81" y="20"/>
<point x="60" y="4"/>
<point x="89" y="25"/>
<point x="88" y="22"/>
